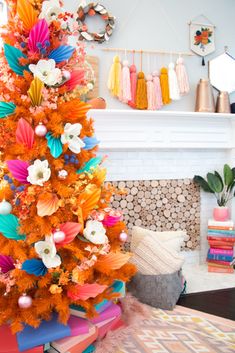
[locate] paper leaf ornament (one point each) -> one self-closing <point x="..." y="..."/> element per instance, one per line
<point x="34" y="267"/>
<point x="88" y="200"/>
<point x="47" y="204"/>
<point x="35" y="91"/>
<point x="6" y="109"/>
<point x="71" y="230"/>
<point x="90" y="142"/>
<point x="26" y="13"/>
<point x="9" y="227"/>
<point x="6" y="264"/>
<point x="90" y="165"/>
<point x="38" y="35"/>
<point x="86" y="291"/>
<point x="76" y="77"/>
<point x="25" y="133"/>
<point x="112" y="261"/>
<point x="13" y="55"/>
<point x="55" y="145"/>
<point x="19" y="170"/>
<point x="62" y="53"/>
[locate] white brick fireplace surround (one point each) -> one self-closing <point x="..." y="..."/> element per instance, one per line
<point x="147" y="145"/>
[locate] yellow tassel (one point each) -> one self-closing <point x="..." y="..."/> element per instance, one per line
<point x="141" y="92"/>
<point x="165" y="86"/>
<point x="114" y="84"/>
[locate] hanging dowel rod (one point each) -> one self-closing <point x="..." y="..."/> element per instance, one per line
<point x="148" y="51"/>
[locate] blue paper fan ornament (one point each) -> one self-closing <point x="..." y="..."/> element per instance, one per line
<point x="34" y="267"/>
<point x="62" y="53"/>
<point x="13" y="55"/>
<point x="90" y="142"/>
<point x="55" y="145"/>
<point x="9" y="225"/>
<point x="6" y="109"/>
<point x="91" y="164"/>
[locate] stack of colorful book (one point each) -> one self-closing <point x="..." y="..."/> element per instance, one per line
<point x="78" y="336"/>
<point x="221" y="238"/>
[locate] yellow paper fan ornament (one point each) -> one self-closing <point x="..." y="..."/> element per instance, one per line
<point x="35" y="92"/>
<point x="27" y="13"/>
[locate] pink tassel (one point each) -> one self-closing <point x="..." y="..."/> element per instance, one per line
<point x="133" y="77"/>
<point x="182" y="76"/>
<point x="157" y="87"/>
<point x="126" y="83"/>
<point x="151" y="93"/>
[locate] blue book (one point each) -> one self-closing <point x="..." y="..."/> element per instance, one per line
<point x="90" y="349"/>
<point x="219" y="257"/>
<point x="220" y="232"/>
<point x="48" y="331"/>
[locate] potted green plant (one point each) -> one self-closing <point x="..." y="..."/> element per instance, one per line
<point x="223" y="189"/>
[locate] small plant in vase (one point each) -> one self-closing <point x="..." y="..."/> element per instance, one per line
<point x="222" y="187"/>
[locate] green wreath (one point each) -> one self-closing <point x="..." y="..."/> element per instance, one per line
<point x="93" y="9"/>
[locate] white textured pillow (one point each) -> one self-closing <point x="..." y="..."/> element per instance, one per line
<point x="173" y="239"/>
<point x="153" y="257"/>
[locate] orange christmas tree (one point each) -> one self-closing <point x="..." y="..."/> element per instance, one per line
<point x="59" y="240"/>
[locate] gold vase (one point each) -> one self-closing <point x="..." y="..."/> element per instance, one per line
<point x="204" y="97"/>
<point x="223" y="103"/>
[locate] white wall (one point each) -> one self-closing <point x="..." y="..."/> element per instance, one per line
<point x="162" y="25"/>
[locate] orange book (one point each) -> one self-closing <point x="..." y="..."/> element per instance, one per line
<point x="214" y="264"/>
<point x="220" y="270"/>
<point x="220" y="245"/>
<point x="221" y="228"/>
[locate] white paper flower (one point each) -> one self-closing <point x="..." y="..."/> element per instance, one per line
<point x="46" y="71"/>
<point x="50" y="10"/>
<point x="95" y="232"/>
<point x="39" y="172"/>
<point x="70" y="136"/>
<point x="47" y="252"/>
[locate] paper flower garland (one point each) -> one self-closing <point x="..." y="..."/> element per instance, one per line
<point x="47" y="252"/>
<point x="71" y="137"/>
<point x="39" y="172"/>
<point x="95" y="232"/>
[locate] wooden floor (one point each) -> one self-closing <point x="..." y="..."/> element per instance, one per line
<point x="219" y="302"/>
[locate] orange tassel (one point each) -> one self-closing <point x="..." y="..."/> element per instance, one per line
<point x="165" y="86"/>
<point x="141" y="92"/>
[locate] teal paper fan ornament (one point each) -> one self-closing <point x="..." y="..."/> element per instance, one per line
<point x="34" y="267"/>
<point x="13" y="55"/>
<point x="9" y="225"/>
<point x="62" y="53"/>
<point x="91" y="164"/>
<point x="6" y="109"/>
<point x="55" y="145"/>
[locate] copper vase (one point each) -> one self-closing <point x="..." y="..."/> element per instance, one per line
<point x="204" y="97"/>
<point x="223" y="103"/>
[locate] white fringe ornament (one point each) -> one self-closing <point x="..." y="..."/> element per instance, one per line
<point x="173" y="82"/>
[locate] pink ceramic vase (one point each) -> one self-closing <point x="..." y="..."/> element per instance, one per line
<point x="221" y="214"/>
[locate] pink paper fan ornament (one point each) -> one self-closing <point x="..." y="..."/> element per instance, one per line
<point x="25" y="133"/>
<point x="6" y="264"/>
<point x="19" y="170"/>
<point x="76" y="78"/>
<point x="38" y="36"/>
<point x="86" y="291"/>
<point x="71" y="230"/>
<point x="111" y="217"/>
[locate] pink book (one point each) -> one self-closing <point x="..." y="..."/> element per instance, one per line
<point x="78" y="326"/>
<point x="108" y="326"/>
<point x="9" y="343"/>
<point x="112" y="312"/>
<point x="221" y="252"/>
<point x="75" y="344"/>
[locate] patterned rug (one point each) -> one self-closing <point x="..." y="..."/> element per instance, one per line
<point x="181" y="331"/>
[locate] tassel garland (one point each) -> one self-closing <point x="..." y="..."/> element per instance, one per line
<point x="141" y="92"/>
<point x="114" y="81"/>
<point x="133" y="78"/>
<point x="165" y="86"/>
<point x="158" y="91"/>
<point x="126" y="83"/>
<point x="182" y="76"/>
<point x="173" y="83"/>
<point x="151" y="93"/>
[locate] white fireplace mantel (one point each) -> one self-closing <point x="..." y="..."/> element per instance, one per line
<point x="150" y="130"/>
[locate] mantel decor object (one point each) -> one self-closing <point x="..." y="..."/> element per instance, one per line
<point x="223" y="103"/>
<point x="204" y="97"/>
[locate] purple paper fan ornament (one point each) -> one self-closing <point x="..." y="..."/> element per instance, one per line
<point x="6" y="264"/>
<point x="38" y="36"/>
